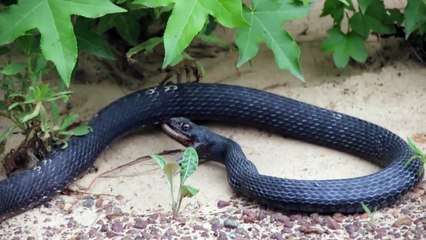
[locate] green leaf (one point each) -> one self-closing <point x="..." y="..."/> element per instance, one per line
<point x="189" y="164"/>
<point x="68" y="120"/>
<point x="188" y="18"/>
<point x="80" y="130"/>
<point x="344" y="47"/>
<point x="36" y="111"/>
<point x="153" y="3"/>
<point x="146" y="46"/>
<point x="7" y="133"/>
<point x="28" y="43"/>
<point x="159" y="159"/>
<point x="13" y="68"/>
<point x="366" y="208"/>
<point x="212" y="39"/>
<point x="359" y="25"/>
<point x="170" y="170"/>
<point x="363" y="5"/>
<point x="91" y="42"/>
<point x="415" y="16"/>
<point x="4" y="50"/>
<point x="378" y="19"/>
<point x="266" y="25"/>
<point x="413" y="147"/>
<point x="335" y="9"/>
<point x="127" y="25"/>
<point x="345" y="2"/>
<point x="396" y="15"/>
<point x="53" y="19"/>
<point x="187" y="191"/>
<point x="55" y="113"/>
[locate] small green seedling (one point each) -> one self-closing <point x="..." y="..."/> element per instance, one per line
<point x="189" y="164"/>
<point x="418" y="154"/>
<point x="368" y="211"/>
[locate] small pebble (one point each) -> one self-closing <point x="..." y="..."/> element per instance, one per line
<point x="199" y="228"/>
<point x="380" y="233"/>
<point x="331" y="223"/>
<point x="88" y="202"/>
<point x="222" y="204"/>
<point x="338" y="217"/>
<point x="402" y="221"/>
<point x="104" y="228"/>
<point x="170" y="233"/>
<point x="230" y="223"/>
<point x="276" y="236"/>
<point x="310" y="229"/>
<point x="111" y="234"/>
<point x="119" y="197"/>
<point x="222" y="236"/>
<point x="295" y="217"/>
<point x="286" y="230"/>
<point x="99" y="202"/>
<point x="280" y="218"/>
<point x="216" y="226"/>
<point x="117" y="226"/>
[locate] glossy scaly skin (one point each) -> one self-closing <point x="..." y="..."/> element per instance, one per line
<point x="277" y="114"/>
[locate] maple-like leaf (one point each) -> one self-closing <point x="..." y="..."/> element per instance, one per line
<point x="415" y="17"/>
<point x="52" y="18"/>
<point x="344" y="46"/>
<point x="188" y="18"/>
<point x="266" y="20"/>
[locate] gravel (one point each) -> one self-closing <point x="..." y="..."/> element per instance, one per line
<point x="234" y="218"/>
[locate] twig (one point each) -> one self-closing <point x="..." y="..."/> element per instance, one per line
<point x="415" y="53"/>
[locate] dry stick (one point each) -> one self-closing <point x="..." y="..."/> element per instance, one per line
<point x="415" y="53"/>
<point x="136" y="161"/>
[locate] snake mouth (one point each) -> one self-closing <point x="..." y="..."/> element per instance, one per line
<point x="177" y="135"/>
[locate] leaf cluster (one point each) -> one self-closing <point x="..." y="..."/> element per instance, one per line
<point x="347" y="41"/>
<point x="32" y="106"/>
<point x="69" y="26"/>
<point x="185" y="166"/>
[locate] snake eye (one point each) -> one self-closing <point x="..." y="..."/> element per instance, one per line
<point x="185" y="126"/>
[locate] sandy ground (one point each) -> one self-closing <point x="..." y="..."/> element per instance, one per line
<point x="135" y="202"/>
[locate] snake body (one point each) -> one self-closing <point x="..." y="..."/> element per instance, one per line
<point x="277" y="114"/>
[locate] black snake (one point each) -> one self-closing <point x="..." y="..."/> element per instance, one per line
<point x="277" y="114"/>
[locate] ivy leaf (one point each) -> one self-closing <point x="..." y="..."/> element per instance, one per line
<point x="378" y="19"/>
<point x="53" y="19"/>
<point x="344" y="46"/>
<point x="359" y="25"/>
<point x="266" y="25"/>
<point x="336" y="8"/>
<point x="188" y="18"/>
<point x="415" y="16"/>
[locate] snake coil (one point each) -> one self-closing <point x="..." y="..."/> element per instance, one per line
<point x="277" y="114"/>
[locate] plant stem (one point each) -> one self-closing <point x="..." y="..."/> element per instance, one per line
<point x="173" y="196"/>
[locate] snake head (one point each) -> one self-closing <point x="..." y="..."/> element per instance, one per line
<point x="207" y="143"/>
